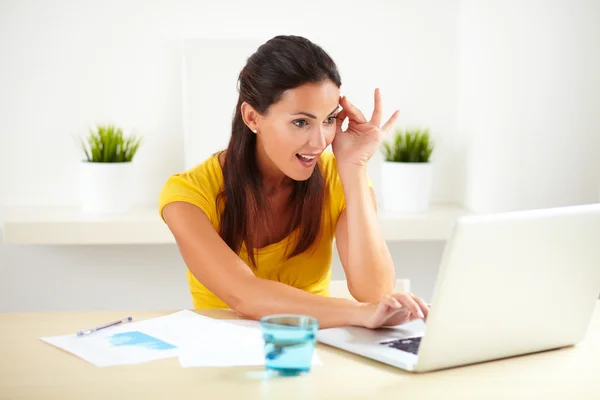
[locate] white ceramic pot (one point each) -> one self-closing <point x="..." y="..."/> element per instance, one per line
<point x="406" y="186"/>
<point x="105" y="187"/>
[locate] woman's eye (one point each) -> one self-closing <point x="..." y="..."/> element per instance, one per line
<point x="300" y="123"/>
<point x="331" y="120"/>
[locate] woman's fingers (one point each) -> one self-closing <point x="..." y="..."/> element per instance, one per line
<point x="407" y="301"/>
<point x="376" y="117"/>
<point x="339" y="119"/>
<point x="357" y="116"/>
<point x="390" y="123"/>
<point x="389" y="310"/>
<point x="424" y="307"/>
<point x="391" y="302"/>
<point x="353" y="113"/>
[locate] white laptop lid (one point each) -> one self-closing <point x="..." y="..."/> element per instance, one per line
<point x="513" y="283"/>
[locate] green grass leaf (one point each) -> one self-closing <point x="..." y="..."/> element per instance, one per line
<point x="410" y="145"/>
<point x="106" y="144"/>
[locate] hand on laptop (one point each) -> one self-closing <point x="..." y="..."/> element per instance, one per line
<point x="395" y="309"/>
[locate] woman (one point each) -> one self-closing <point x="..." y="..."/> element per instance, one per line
<point x="255" y="223"/>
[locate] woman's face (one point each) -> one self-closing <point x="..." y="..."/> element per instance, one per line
<point x="296" y="129"/>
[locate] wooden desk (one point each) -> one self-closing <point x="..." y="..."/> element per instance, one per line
<point x="30" y="368"/>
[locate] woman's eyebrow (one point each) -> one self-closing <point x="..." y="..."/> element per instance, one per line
<point x="312" y="116"/>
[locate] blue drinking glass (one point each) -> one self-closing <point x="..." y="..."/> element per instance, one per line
<point x="289" y="343"/>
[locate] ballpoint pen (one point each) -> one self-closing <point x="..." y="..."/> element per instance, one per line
<point x="91" y="330"/>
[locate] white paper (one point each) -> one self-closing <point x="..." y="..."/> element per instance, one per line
<point x="147" y="340"/>
<point x="197" y="340"/>
<point x="246" y="348"/>
<point x="130" y="343"/>
<point x="253" y="357"/>
<point x="246" y="323"/>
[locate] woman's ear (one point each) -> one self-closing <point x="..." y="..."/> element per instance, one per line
<point x="250" y="116"/>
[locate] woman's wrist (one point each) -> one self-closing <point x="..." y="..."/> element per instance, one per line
<point x="361" y="314"/>
<point x="351" y="174"/>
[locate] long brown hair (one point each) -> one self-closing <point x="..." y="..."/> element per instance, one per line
<point x="280" y="64"/>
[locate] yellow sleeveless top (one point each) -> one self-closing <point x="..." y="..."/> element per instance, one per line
<point x="309" y="271"/>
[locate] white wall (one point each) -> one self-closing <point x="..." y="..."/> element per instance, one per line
<point x="509" y="88"/>
<point x="77" y="278"/>
<point x="529" y="104"/>
<point x="141" y="277"/>
<point x="69" y="64"/>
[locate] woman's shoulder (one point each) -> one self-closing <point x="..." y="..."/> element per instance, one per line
<point x="208" y="172"/>
<point x="199" y="185"/>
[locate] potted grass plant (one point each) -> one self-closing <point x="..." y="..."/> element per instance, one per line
<point x="407" y="172"/>
<point x="106" y="171"/>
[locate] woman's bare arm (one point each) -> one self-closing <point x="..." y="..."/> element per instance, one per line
<point x="363" y="251"/>
<point x="218" y="268"/>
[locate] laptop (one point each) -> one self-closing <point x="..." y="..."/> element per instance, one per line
<point x="509" y="284"/>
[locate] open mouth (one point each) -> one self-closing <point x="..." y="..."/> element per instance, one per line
<point x="307" y="160"/>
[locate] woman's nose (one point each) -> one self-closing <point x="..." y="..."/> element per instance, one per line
<point x="317" y="139"/>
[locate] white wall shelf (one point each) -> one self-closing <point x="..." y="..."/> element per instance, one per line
<point x="435" y="224"/>
<point x="63" y="225"/>
<point x="68" y="226"/>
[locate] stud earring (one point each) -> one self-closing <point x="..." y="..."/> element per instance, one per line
<point x="254" y="130"/>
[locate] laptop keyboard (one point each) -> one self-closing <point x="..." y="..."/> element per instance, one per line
<point x="410" y="345"/>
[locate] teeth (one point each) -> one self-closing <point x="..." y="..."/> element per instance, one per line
<point x="308" y="158"/>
